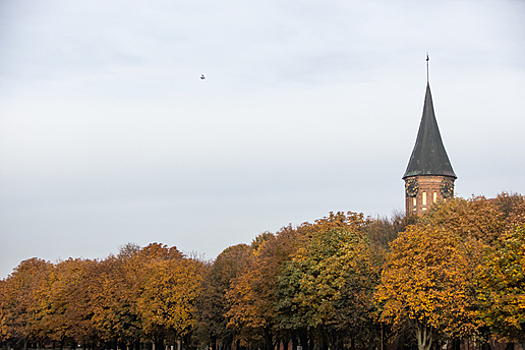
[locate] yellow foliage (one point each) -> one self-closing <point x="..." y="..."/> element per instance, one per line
<point x="427" y="280"/>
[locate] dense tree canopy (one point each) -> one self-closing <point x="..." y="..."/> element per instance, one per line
<point x="327" y="287"/>
<point x="344" y="281"/>
<point x="426" y="284"/>
<point x="212" y="303"/>
<point x="501" y="287"/>
<point x="436" y="272"/>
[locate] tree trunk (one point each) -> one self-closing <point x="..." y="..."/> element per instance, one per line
<point x="424" y="337"/>
<point x="324" y="340"/>
<point x="295" y="341"/>
<point x="268" y="339"/>
<point x="303" y="338"/>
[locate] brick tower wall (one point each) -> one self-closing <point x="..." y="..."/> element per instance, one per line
<point x="429" y="193"/>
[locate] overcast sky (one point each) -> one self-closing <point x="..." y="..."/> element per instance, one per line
<point x="108" y="135"/>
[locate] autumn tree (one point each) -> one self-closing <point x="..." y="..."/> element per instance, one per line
<point x="212" y="303"/>
<point x="4" y="331"/>
<point x="512" y="208"/>
<point x="252" y="297"/>
<point x="426" y="284"/>
<point x="383" y="230"/>
<point x="114" y="287"/>
<point x="489" y="221"/>
<point x="501" y="288"/>
<point x="476" y="217"/>
<point x="20" y="309"/>
<point x="327" y="287"/>
<point x="249" y="299"/>
<point x="64" y="302"/>
<point x="453" y="272"/>
<point x="167" y="300"/>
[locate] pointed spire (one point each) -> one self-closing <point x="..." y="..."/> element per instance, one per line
<point x="429" y="156"/>
<point x="428" y="74"/>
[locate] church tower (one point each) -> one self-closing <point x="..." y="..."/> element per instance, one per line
<point x="429" y="177"/>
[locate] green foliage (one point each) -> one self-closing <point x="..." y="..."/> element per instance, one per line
<point x="251" y="297"/>
<point x="328" y="285"/>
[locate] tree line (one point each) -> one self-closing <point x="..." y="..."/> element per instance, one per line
<point x="454" y="275"/>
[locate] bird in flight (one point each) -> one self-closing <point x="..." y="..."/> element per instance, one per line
<point x="203" y="77"/>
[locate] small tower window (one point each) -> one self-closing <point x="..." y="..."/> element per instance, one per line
<point x="424" y="198"/>
<point x="414" y="201"/>
<point x="435" y="197"/>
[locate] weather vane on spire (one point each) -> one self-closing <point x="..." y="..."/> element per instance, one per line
<point x="428" y="59"/>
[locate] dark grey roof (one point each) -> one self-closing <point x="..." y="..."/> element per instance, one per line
<point x="429" y="156"/>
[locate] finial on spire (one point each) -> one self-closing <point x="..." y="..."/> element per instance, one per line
<point x="428" y="59"/>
